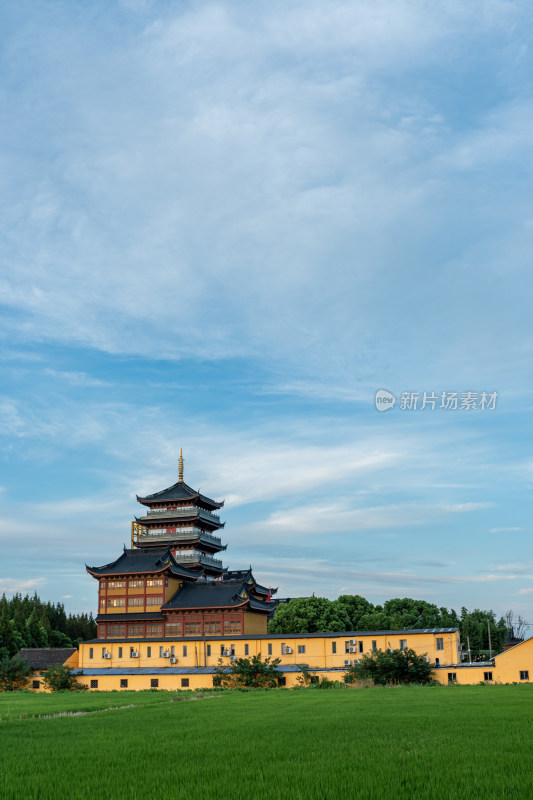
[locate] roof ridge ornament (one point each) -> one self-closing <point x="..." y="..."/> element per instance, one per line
<point x="180" y="464"/>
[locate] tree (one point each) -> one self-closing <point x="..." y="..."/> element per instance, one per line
<point x="14" y="673"/>
<point x="356" y="607"/>
<point x="386" y="667"/>
<point x="310" y="615"/>
<point x="60" y="678"/>
<point x="252" y="672"/>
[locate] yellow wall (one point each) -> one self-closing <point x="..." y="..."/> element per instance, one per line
<point x="506" y="669"/>
<point x="316" y="652"/>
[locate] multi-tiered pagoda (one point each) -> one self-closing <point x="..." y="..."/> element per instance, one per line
<point x="171" y="583"/>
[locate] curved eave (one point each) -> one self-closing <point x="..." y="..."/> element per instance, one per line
<point x="257" y="605"/>
<point x="177" y="571"/>
<point x="186" y="492"/>
<point x="264" y="590"/>
<point x="200" y="608"/>
<point x="151" y="522"/>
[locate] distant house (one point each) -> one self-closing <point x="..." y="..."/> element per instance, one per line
<point x="42" y="658"/>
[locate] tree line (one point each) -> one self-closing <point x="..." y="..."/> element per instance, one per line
<point x="28" y="622"/>
<point x="355" y="613"/>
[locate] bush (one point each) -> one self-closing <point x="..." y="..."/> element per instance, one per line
<point x="248" y="672"/>
<point x="391" y="667"/>
<point x="14" y="673"/>
<point x="60" y="678"/>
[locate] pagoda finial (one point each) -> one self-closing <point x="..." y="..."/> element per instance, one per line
<point x="180" y="462"/>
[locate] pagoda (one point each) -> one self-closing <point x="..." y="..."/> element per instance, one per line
<point x="170" y="582"/>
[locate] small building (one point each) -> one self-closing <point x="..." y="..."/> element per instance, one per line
<point x="42" y="658"/>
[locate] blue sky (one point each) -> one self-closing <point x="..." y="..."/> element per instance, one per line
<point x="225" y="226"/>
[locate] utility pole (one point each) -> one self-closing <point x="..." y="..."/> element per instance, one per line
<point x="490" y="644"/>
<point x="469" y="650"/>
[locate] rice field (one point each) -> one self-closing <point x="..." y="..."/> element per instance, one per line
<point x="437" y="743"/>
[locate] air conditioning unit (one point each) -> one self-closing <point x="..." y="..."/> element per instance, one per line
<point x="352" y="650"/>
<point x="347" y="662"/>
<point x="426" y="659"/>
<point x="288" y="649"/>
<point x="232" y="658"/>
<point x="166" y="654"/>
<point x="135" y="654"/>
<point x="227" y="652"/>
<point x="356" y="661"/>
<point x="353" y="641"/>
<point x="107" y="655"/>
<point x="173" y="660"/>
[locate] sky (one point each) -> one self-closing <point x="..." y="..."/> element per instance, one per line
<point x="225" y="227"/>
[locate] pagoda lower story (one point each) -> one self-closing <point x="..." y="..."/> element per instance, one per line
<point x="170" y="583"/>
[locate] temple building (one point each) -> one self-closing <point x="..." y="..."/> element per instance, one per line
<point x="171" y="582"/>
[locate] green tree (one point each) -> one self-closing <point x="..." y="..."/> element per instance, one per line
<point x="14" y="673"/>
<point x="251" y="672"/>
<point x="310" y="615"/>
<point x="385" y="667"/>
<point x="61" y="678"/>
<point x="356" y="607"/>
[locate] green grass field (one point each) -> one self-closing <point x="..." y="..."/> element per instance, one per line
<point x="434" y="742"/>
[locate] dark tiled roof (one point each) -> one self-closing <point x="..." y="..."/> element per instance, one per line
<point x="245" y="575"/>
<point x="44" y="657"/>
<point x="133" y="671"/>
<point x="179" y="491"/>
<point x="208" y="594"/>
<point x="132" y="617"/>
<point x="135" y="562"/>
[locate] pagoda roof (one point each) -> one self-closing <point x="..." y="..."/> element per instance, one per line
<point x="214" y="594"/>
<point x="179" y="491"/>
<point x="131" y="616"/>
<point x="247" y="577"/>
<point x="136" y="562"/>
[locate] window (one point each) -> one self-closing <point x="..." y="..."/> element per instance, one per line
<point x="104" y="651"/>
<point x="102" y="602"/>
<point x="36" y="684"/>
<point x="123" y="683"/>
<point x="135" y="601"/>
<point x="154" y="683"/>
<point x="282" y="680"/>
<point x="374" y="645"/>
<point x="116" y="585"/>
<point x="116" y="602"/>
<point x="487" y="676"/>
<point x="452" y="677"/>
<point x="115" y="631"/>
<point x="185" y="683"/>
<point x="208" y="649"/>
<point x="91" y="652"/>
<point x="403" y="644"/>
<point x="232" y="649"/>
<point x="156" y="600"/>
<point x="135" y="630"/>
<point x="184" y="650"/>
<point x="173" y="629"/>
<point x="524" y="675"/>
<point x="94" y="684"/>
<point x="361" y="645"/>
<point x="148" y="652"/>
<point x="246" y="650"/>
<point x="120" y="652"/>
<point x="161" y="651"/>
<point x="346" y="647"/>
<point x="212" y="628"/>
<point x="270" y="649"/>
<point x="222" y="648"/>
<point x="136" y="584"/>
<point x="172" y="651"/>
<point x="132" y="651"/>
<point x="154" y="630"/>
<point x="154" y="582"/>
<point x="440" y="643"/>
<point x="232" y="626"/>
<point x="334" y="647"/>
<point x="192" y="628"/>
<point x="301" y="648"/>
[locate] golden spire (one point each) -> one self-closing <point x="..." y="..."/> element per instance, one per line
<point x="180" y="462"/>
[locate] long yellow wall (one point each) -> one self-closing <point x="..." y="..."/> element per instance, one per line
<point x="315" y="651"/>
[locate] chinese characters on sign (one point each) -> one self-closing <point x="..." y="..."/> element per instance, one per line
<point x="447" y="401"/>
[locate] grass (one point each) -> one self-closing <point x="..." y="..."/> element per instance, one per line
<point x="433" y="743"/>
